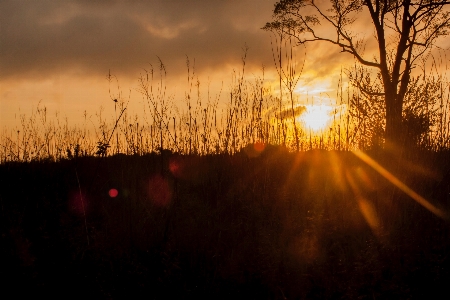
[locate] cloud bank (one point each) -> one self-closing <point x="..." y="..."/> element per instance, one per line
<point x="39" y="38"/>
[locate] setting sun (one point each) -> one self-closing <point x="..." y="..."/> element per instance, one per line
<point x="316" y="117"/>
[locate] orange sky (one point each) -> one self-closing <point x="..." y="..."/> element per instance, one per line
<point x="59" y="53"/>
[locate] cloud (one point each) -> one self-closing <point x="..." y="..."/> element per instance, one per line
<point x="39" y="38"/>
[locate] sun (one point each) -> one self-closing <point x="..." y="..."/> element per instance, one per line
<point x="316" y="117"/>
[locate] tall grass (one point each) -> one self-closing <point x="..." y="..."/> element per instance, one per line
<point x="248" y="112"/>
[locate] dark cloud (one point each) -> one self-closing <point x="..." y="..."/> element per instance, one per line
<point x="288" y="112"/>
<point x="38" y="38"/>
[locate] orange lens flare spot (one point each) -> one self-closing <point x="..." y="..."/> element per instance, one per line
<point x="259" y="146"/>
<point x="113" y="193"/>
<point x="159" y="191"/>
<point x="78" y="203"/>
<point x="254" y="150"/>
<point x="175" y="167"/>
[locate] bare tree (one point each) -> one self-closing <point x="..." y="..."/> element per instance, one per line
<point x="404" y="31"/>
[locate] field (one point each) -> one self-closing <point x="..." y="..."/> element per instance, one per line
<point x="310" y="225"/>
<point x="206" y="199"/>
<point x="320" y="172"/>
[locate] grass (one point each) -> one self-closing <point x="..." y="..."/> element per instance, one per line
<point x="249" y="113"/>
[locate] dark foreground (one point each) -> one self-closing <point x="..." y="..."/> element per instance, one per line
<point x="316" y="225"/>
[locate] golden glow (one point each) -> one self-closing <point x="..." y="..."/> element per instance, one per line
<point x="316" y="117"/>
<point x="367" y="209"/>
<point x="395" y="181"/>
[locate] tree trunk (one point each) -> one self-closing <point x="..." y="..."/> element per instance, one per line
<point x="394" y="130"/>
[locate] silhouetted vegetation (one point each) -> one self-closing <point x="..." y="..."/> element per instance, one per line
<point x="253" y="113"/>
<point x="316" y="224"/>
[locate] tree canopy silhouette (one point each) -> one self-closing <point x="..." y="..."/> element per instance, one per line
<point x="404" y="30"/>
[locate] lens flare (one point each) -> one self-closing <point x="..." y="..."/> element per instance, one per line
<point x="254" y="150"/>
<point x="113" y="193"/>
<point x="159" y="191"/>
<point x="395" y="181"/>
<point x="366" y="208"/>
<point x="78" y="203"/>
<point x="175" y="166"/>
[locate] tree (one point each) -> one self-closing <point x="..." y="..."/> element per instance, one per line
<point x="404" y="30"/>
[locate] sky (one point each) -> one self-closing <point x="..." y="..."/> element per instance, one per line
<point x="58" y="53"/>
